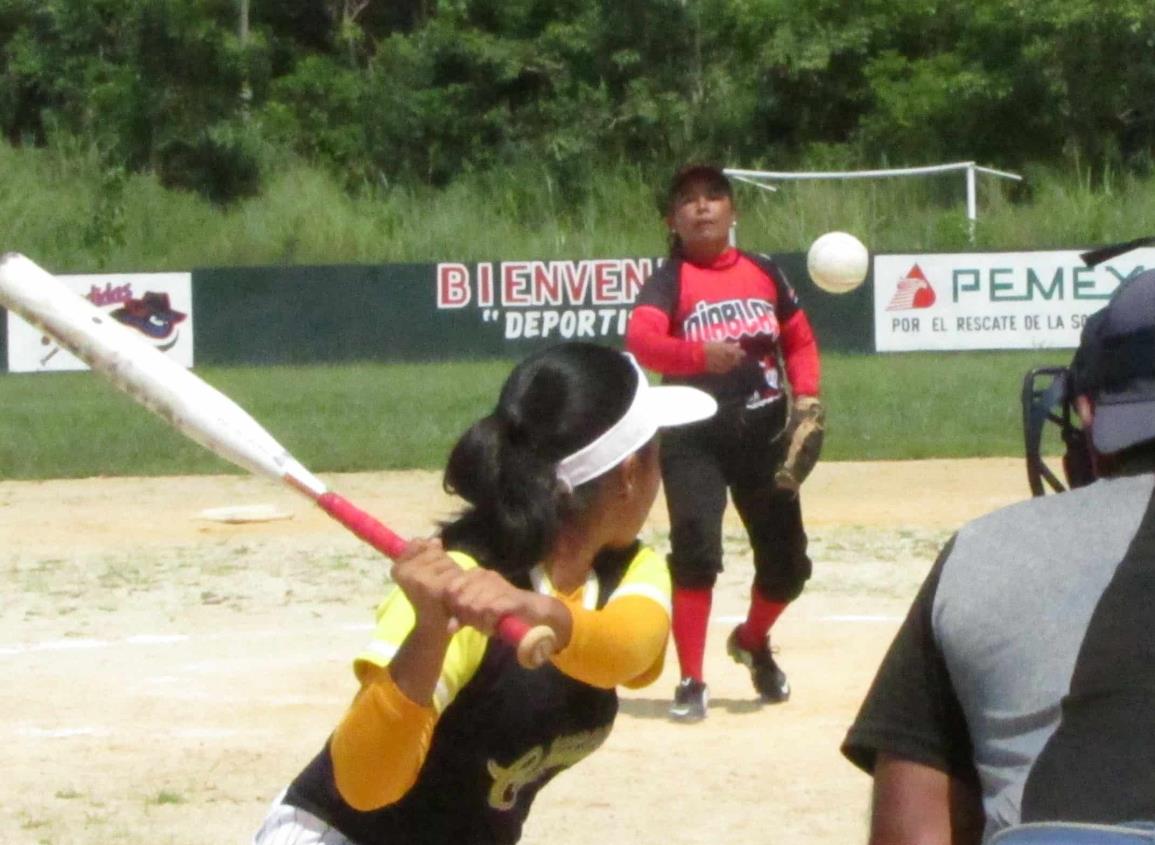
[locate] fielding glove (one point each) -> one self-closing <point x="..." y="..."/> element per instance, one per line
<point x="804" y="433"/>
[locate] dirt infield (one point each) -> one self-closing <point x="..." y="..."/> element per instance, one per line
<point x="165" y="675"/>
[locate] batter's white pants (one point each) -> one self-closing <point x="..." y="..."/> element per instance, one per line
<point x="287" y="825"/>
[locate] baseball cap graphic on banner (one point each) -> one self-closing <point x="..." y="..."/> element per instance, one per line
<point x="653" y="407"/>
<point x="1115" y="366"/>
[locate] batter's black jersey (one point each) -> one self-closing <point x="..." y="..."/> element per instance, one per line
<point x="1027" y="662"/>
<point x="506" y="733"/>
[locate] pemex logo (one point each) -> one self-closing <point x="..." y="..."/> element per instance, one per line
<point x="913" y="291"/>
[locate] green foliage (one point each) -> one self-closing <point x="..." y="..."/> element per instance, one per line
<point x="141" y="81"/>
<point x="222" y="164"/>
<point x="105" y="231"/>
<point x="317" y="108"/>
<point x="424" y="93"/>
<point x="1029" y="80"/>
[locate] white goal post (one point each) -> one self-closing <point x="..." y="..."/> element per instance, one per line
<point x="764" y="178"/>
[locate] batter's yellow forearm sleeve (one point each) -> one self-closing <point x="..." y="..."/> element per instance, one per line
<point x="623" y="643"/>
<point x="380" y="745"/>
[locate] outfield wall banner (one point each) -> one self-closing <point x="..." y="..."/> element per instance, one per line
<point x="340" y="313"/>
<point x="996" y="300"/>
<point x="156" y="305"/>
<point x="450" y="310"/>
<point x="537" y="302"/>
<point x="546" y="300"/>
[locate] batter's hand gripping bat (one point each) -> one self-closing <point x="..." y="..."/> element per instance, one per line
<point x="201" y="412"/>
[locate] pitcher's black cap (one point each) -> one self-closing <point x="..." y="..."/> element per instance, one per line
<point x="711" y="174"/>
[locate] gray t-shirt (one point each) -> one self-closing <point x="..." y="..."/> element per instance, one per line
<point x="1027" y="662"/>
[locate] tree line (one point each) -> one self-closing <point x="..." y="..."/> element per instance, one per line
<point x="209" y="94"/>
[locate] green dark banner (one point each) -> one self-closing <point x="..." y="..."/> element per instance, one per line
<point x="843" y="322"/>
<point x="451" y="310"/>
<point x="447" y="311"/>
<point x="327" y="314"/>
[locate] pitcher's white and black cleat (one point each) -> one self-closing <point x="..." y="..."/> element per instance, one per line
<point x="691" y="698"/>
<point x="769" y="680"/>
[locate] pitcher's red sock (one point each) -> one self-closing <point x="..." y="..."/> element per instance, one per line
<point x="760" y="619"/>
<point x="691" y="617"/>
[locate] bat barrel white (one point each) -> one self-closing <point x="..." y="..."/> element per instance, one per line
<point x="197" y="409"/>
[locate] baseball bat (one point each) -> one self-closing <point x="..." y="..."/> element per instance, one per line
<point x="201" y="412"/>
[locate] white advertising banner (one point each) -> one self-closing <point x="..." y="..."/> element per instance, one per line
<point x="157" y="305"/>
<point x="993" y="300"/>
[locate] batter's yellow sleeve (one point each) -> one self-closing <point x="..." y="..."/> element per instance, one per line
<point x="380" y="745"/>
<point x="623" y="643"/>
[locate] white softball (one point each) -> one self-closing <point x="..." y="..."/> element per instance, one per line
<point x="838" y="262"/>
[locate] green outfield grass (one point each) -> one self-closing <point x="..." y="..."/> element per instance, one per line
<point x="377" y="416"/>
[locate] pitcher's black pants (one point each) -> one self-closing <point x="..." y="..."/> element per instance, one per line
<point x="738" y="451"/>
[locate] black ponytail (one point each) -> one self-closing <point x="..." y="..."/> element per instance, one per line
<point x="505" y="465"/>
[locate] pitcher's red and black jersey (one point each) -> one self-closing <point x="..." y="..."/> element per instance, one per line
<point x="505" y="734"/>
<point x="740" y="297"/>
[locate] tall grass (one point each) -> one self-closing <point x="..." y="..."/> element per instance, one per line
<point x="63" y="208"/>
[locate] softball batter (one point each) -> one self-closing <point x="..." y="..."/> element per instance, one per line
<point x="729" y="323"/>
<point x="449" y="739"/>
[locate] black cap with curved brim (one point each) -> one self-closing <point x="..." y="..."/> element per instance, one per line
<point x="1106" y="253"/>
<point x="709" y="173"/>
<point x="1115" y="366"/>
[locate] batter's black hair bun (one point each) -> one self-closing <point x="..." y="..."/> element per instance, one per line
<point x="555" y="402"/>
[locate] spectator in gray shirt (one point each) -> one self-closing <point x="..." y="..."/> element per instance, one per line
<point x="1017" y="702"/>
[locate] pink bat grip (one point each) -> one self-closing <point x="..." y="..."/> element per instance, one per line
<point x="534" y="644"/>
<point x="362" y="524"/>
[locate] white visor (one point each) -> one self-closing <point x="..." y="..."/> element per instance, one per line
<point x="652" y="408"/>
